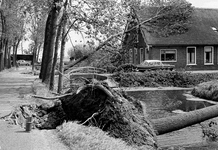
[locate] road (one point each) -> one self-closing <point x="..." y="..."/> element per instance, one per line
<point x="15" y="89"/>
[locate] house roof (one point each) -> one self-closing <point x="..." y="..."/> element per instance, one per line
<point x="202" y="30"/>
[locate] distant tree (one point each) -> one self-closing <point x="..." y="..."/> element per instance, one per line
<point x="14" y="27"/>
<point x="37" y="11"/>
<point x="78" y="51"/>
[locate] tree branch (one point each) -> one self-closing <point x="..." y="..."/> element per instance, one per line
<point x="93" y="115"/>
<point x="51" y="98"/>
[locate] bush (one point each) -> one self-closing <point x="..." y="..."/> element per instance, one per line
<point x="162" y="78"/>
<point x="207" y="90"/>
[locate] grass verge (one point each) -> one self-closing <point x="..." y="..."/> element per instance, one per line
<point x="79" y="137"/>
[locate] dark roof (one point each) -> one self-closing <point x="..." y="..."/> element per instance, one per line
<point x="201" y="31"/>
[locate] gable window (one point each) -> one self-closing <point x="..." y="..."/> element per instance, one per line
<point x="142" y="54"/>
<point x="135" y="55"/>
<point x="168" y="55"/>
<point x="191" y="55"/>
<point x="208" y="55"/>
<point x="130" y="56"/>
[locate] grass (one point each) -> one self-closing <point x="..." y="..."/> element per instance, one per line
<point x="79" y="137"/>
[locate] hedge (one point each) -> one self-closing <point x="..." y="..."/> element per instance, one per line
<point x="162" y="78"/>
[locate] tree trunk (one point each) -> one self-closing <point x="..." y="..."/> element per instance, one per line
<point x="63" y="42"/>
<point x="2" y="50"/>
<point x="48" y="50"/>
<point x="172" y="123"/>
<point x="14" y="53"/>
<point x="6" y="54"/>
<point x="9" y="56"/>
<point x="51" y="87"/>
<point x="1" y="60"/>
<point x="16" y="48"/>
<point x="34" y="54"/>
<point x="38" y="52"/>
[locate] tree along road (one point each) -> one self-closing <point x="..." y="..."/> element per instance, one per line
<point x="15" y="88"/>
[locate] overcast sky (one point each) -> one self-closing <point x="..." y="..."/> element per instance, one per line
<point x="204" y="3"/>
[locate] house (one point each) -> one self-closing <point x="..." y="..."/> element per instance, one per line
<point x="195" y="49"/>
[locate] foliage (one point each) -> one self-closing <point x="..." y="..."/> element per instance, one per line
<point x="207" y="90"/>
<point x="15" y="19"/>
<point x="126" y="68"/>
<point x="210" y="130"/>
<point x="162" y="78"/>
<point x="96" y="17"/>
<point x="170" y="17"/>
<point x="36" y="11"/>
<point x="78" y="51"/>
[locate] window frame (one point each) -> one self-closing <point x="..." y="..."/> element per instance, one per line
<point x="187" y="55"/>
<point x="135" y="55"/>
<point x="130" y="55"/>
<point x="212" y="63"/>
<point x="169" y="50"/>
<point x="142" y="54"/>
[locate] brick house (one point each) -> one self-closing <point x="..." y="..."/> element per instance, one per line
<point x="196" y="49"/>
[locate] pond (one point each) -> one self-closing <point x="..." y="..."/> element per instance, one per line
<point x="163" y="103"/>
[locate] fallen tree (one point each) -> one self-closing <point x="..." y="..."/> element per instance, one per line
<point x="172" y="123"/>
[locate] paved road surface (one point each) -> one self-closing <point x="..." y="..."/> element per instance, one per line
<point x="14" y="90"/>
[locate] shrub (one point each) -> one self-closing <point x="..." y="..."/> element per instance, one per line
<point x="162" y="78"/>
<point x="207" y="90"/>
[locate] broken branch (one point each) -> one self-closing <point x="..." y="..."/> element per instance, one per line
<point x="52" y="98"/>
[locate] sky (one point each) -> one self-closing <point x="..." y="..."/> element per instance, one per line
<point x="204" y="3"/>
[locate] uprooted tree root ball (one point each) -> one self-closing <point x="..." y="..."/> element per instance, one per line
<point x="112" y="111"/>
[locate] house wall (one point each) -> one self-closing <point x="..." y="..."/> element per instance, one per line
<point x="181" y="62"/>
<point x="135" y="56"/>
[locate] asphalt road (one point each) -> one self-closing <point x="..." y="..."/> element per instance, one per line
<point x="15" y="89"/>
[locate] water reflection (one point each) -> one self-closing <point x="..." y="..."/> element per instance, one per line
<point x="166" y="103"/>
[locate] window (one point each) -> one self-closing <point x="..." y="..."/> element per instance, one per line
<point x="168" y="55"/>
<point x="130" y="56"/>
<point x="191" y="55"/>
<point x="208" y="55"/>
<point x="142" y="54"/>
<point x="135" y="55"/>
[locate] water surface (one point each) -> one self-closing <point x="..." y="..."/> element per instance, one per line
<point x="164" y="103"/>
